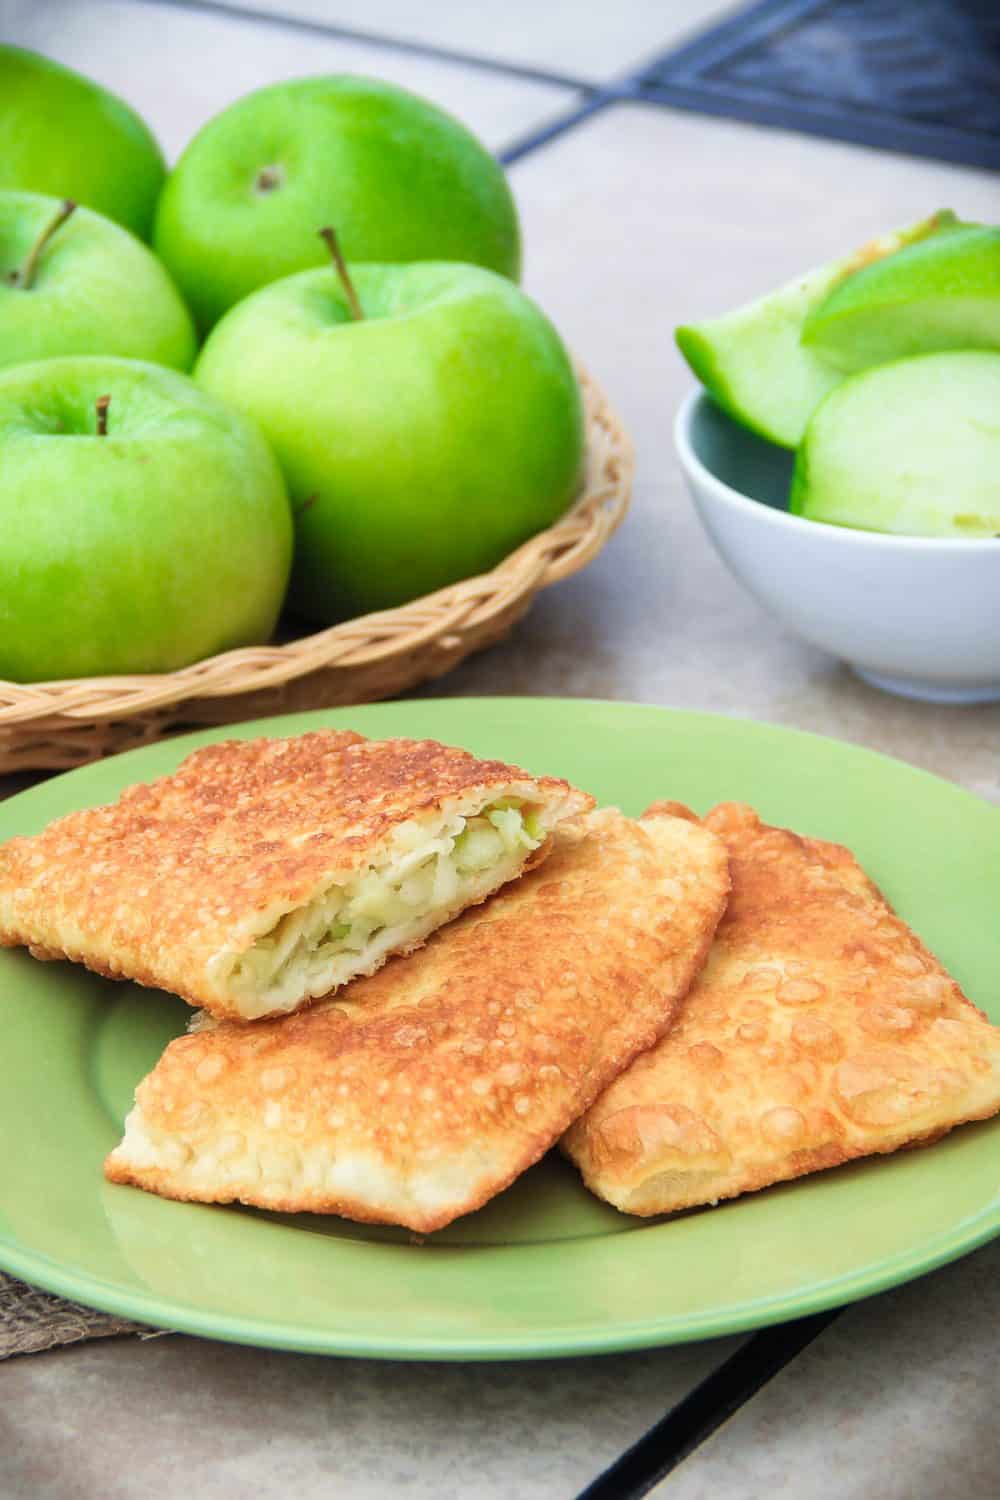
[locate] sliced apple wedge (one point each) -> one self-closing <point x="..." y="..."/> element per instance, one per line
<point x="911" y="447"/>
<point x="938" y="293"/>
<point x="752" y="360"/>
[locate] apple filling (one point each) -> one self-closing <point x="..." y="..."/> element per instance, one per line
<point x="426" y="874"/>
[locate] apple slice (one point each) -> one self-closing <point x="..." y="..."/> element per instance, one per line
<point x="911" y="447"/>
<point x="938" y="293"/>
<point x="752" y="362"/>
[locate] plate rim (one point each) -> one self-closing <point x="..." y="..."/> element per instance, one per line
<point x="599" y="1339"/>
<point x="212" y="732"/>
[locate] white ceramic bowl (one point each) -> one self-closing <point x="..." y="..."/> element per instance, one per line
<point x="914" y="615"/>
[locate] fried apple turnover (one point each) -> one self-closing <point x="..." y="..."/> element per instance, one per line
<point x="418" y="1094"/>
<point x="820" y="1030"/>
<point x="264" y="873"/>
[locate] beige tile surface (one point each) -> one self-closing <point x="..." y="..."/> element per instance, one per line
<point x="179" y="67"/>
<point x="591" y="42"/>
<point x="180" y="1416"/>
<point x="897" y="1401"/>
<point x="638" y="220"/>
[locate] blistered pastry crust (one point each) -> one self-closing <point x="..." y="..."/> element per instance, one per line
<point x="414" y="1096"/>
<point x="158" y="885"/>
<point x="821" y="1030"/>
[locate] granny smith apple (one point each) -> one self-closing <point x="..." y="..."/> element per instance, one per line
<point x="420" y="442"/>
<point x="911" y="447"/>
<point x="73" y="282"/>
<point x="938" y="293"/>
<point x="142" y="524"/>
<point x="64" y="135"/>
<point x="399" y="178"/>
<point x="752" y="360"/>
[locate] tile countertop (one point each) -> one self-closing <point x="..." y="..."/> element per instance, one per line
<point x="634" y="220"/>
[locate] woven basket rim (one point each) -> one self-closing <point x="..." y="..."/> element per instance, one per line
<point x="442" y="618"/>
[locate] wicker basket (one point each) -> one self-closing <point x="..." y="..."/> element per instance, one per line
<point x="55" y="725"/>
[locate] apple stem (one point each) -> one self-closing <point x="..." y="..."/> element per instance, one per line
<point x="333" y="245"/>
<point x="102" y="403"/>
<point x="23" y="277"/>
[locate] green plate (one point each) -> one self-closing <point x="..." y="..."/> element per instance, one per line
<point x="544" y="1269"/>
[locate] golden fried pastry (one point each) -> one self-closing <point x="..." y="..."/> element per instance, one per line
<point x="820" y="1030"/>
<point x="267" y="872"/>
<point x="416" y="1095"/>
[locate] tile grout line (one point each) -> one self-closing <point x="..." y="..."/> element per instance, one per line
<point x="595" y="96"/>
<point x="694" y="1419"/>
<point x="429" y="50"/>
<point x="559" y="125"/>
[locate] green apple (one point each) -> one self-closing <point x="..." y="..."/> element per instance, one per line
<point x="64" y="135"/>
<point x="938" y="293"/>
<point x="401" y="180"/>
<point x="142" y="524"/>
<point x="752" y="361"/>
<point x="421" y="443"/>
<point x="911" y="447"/>
<point x="85" y="286"/>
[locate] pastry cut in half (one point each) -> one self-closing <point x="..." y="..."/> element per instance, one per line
<point x="418" y="1094"/>
<point x="820" y="1030"/>
<point x="264" y="873"/>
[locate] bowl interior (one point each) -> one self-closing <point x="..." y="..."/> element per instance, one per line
<point x="748" y="464"/>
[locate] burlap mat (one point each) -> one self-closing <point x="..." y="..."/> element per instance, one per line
<point x="31" y="1321"/>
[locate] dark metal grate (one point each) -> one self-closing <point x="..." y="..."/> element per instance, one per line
<point x="692" y="1421"/>
<point x="920" y="76"/>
